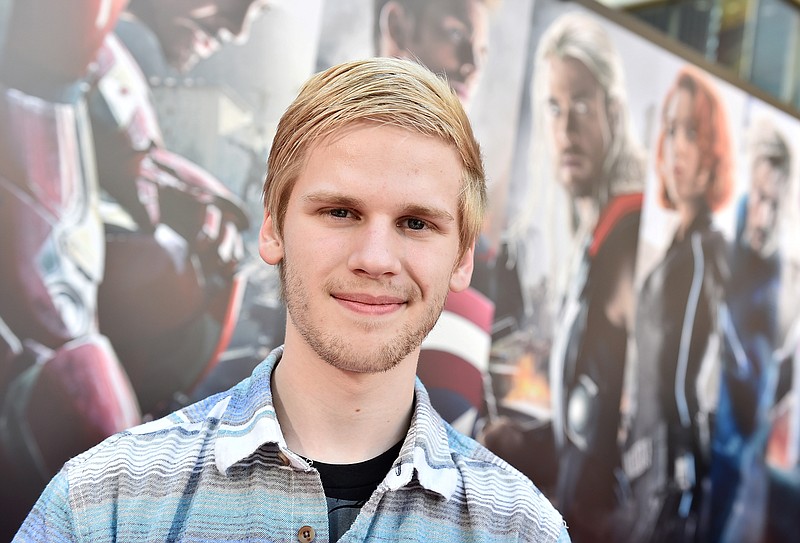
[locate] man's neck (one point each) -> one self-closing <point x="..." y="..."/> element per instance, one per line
<point x="587" y="212"/>
<point x="340" y="417"/>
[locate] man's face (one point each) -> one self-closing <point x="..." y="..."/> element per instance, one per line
<point x="685" y="180"/>
<point x="370" y="246"/>
<point x="578" y="125"/>
<point x="762" y="207"/>
<point x="191" y="30"/>
<point x="450" y="38"/>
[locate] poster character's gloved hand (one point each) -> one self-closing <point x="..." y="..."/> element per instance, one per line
<point x="199" y="208"/>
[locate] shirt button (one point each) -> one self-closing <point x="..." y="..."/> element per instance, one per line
<point x="306" y="534"/>
<point x="283" y="458"/>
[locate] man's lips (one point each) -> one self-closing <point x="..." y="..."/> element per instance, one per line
<point x="369" y="304"/>
<point x="570" y="159"/>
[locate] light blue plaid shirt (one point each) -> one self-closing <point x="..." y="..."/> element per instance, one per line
<point x="220" y="470"/>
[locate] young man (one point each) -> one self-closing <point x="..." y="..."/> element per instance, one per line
<point x="374" y="198"/>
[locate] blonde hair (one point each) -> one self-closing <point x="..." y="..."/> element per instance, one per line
<point x="583" y="38"/>
<point x="386" y="91"/>
<point x="767" y="143"/>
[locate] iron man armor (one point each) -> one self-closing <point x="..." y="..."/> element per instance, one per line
<point x="161" y="279"/>
<point x="62" y="388"/>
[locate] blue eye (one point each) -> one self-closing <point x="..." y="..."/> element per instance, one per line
<point x="554" y="109"/>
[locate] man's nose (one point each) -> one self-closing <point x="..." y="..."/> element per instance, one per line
<point x="564" y="126"/>
<point x="376" y="250"/>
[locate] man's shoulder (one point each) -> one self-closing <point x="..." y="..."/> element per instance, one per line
<point x="179" y="435"/>
<point x="468" y="492"/>
<point x="489" y="481"/>
<point x="617" y="227"/>
<point x="475" y="460"/>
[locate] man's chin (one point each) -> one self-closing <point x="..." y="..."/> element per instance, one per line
<point x="575" y="186"/>
<point x="364" y="363"/>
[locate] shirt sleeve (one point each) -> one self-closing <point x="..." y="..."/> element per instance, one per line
<point x="51" y="518"/>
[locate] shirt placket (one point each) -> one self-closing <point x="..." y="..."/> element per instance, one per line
<point x="308" y="518"/>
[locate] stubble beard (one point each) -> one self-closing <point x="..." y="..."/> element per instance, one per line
<point x="340" y="351"/>
<point x="578" y="184"/>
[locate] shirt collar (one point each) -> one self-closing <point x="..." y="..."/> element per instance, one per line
<point x="249" y="421"/>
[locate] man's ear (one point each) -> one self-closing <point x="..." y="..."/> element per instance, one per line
<point x="270" y="246"/>
<point x="395" y="30"/>
<point x="462" y="273"/>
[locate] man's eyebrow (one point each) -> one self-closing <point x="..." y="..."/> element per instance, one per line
<point x="582" y="94"/>
<point x="333" y="198"/>
<point x="429" y="212"/>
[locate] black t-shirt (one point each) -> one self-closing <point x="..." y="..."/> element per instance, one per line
<point x="349" y="486"/>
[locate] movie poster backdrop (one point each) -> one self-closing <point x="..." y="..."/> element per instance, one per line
<point x="630" y="334"/>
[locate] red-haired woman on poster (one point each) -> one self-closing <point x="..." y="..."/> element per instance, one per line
<point x="667" y="448"/>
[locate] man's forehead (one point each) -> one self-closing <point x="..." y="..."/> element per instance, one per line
<point x="582" y="81"/>
<point x="389" y="131"/>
